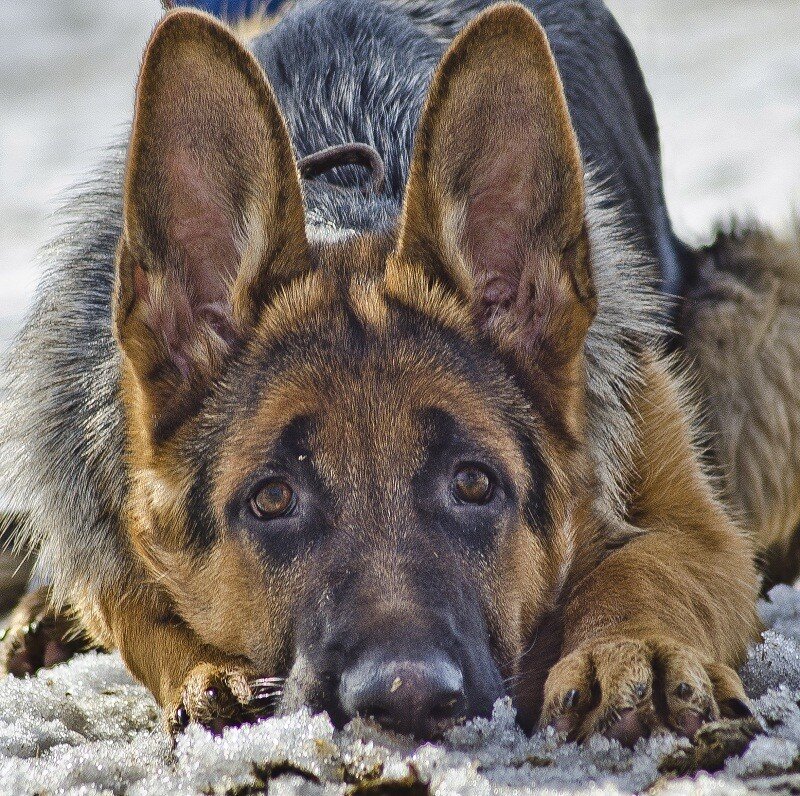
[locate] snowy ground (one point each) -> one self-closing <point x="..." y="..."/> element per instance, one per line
<point x="86" y="728"/>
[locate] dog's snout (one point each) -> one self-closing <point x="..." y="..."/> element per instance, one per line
<point x="420" y="696"/>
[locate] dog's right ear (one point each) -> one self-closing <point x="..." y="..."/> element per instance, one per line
<point x="214" y="223"/>
<point x="494" y="208"/>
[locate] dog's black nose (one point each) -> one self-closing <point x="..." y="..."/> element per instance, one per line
<point x="417" y="696"/>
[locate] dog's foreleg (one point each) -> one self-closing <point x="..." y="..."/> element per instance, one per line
<point x="192" y="681"/>
<point x="652" y="632"/>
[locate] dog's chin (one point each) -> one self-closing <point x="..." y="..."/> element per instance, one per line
<point x="302" y="689"/>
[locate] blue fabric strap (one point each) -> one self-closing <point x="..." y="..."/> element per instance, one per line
<point x="232" y="9"/>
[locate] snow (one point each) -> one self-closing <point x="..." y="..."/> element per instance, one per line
<point x="86" y="727"/>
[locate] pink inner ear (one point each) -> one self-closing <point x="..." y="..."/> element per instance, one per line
<point x="201" y="230"/>
<point x="499" y="209"/>
<point x="188" y="296"/>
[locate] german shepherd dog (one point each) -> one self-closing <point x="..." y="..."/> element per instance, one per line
<point x="386" y="450"/>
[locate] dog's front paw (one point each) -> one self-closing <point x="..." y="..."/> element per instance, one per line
<point x="38" y="636"/>
<point x="218" y="697"/>
<point x="629" y="688"/>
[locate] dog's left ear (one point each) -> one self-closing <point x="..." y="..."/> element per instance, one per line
<point x="495" y="200"/>
<point x="214" y="223"/>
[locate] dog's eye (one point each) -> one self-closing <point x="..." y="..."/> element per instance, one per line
<point x="272" y="499"/>
<point x="472" y="484"/>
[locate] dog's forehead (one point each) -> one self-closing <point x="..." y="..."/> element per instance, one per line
<point x="365" y="376"/>
<point x="363" y="393"/>
<point x="364" y="362"/>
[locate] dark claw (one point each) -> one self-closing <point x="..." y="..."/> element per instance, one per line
<point x="571" y="699"/>
<point x="684" y="691"/>
<point x="735" y="709"/>
<point x="639" y="690"/>
<point x="181" y="718"/>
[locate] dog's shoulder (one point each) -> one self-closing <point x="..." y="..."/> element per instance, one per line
<point x="61" y="424"/>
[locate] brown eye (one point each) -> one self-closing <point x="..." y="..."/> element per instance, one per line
<point x="272" y="499"/>
<point x="473" y="485"/>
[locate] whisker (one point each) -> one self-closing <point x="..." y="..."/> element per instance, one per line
<point x="267" y="686"/>
<point x="277" y="681"/>
<point x="265" y="696"/>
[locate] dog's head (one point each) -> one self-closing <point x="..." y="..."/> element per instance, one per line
<point x="357" y="463"/>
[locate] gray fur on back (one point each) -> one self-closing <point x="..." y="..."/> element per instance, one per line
<point x="62" y="439"/>
<point x="342" y="71"/>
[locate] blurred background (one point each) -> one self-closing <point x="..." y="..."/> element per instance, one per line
<point x="725" y="76"/>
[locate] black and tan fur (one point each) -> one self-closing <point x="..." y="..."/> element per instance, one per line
<point x="498" y="306"/>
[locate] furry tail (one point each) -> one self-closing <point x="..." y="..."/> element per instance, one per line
<point x="740" y="324"/>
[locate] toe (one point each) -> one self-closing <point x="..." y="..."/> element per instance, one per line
<point x="213" y="697"/>
<point x="685" y="692"/>
<point x="629" y="727"/>
<point x="625" y="679"/>
<point x="568" y="693"/>
<point x="729" y="692"/>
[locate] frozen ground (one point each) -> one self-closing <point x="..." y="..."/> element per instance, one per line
<point x="86" y="728"/>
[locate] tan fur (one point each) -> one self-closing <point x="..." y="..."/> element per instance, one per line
<point x="741" y="326"/>
<point x="266" y="249"/>
<point x="245" y="255"/>
<point x="436" y="230"/>
<point x="660" y="593"/>
<point x="259" y="21"/>
<point x="684" y="554"/>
